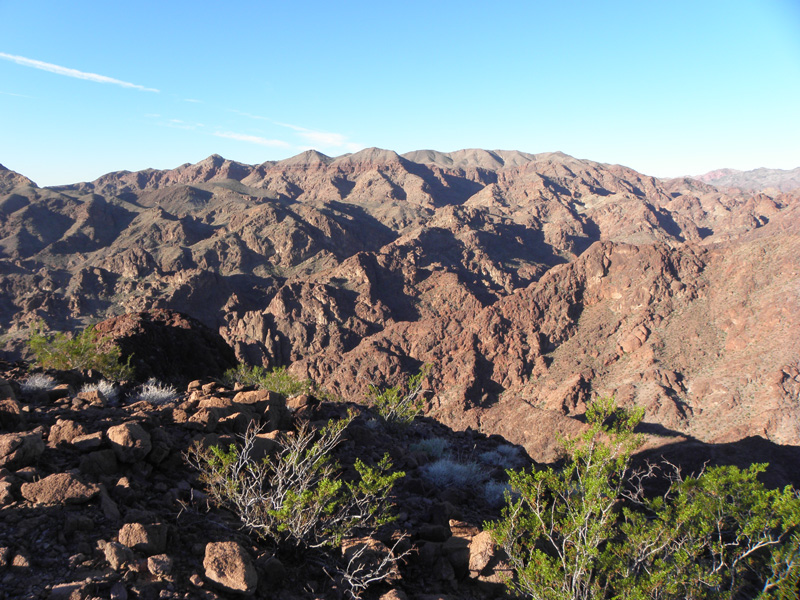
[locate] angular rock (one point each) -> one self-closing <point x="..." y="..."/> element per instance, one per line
<point x="229" y="566"/>
<point x="90" y="441"/>
<point x="20" y="449"/>
<point x="11" y="415"/>
<point x="6" y="496"/>
<point x="482" y="550"/>
<point x="130" y="442"/>
<point x="159" y="565"/>
<point x="117" y="555"/>
<point x="64" y="431"/>
<point x="59" y="488"/>
<point x="146" y="538"/>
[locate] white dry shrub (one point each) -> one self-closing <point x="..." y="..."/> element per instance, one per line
<point x="156" y="392"/>
<point x="505" y="456"/>
<point x="494" y="492"/>
<point x="447" y="472"/>
<point x="38" y="382"/>
<point x="108" y="389"/>
<point x="434" y="447"/>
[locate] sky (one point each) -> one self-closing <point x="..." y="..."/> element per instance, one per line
<point x="667" y="88"/>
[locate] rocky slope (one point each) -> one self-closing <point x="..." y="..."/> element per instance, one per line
<point x="98" y="499"/>
<point x="529" y="282"/>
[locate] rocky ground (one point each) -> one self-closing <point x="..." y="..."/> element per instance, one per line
<point x="97" y="499"/>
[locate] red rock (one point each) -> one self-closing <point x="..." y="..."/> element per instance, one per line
<point x="59" y="488"/>
<point x="130" y="441"/>
<point x="146" y="538"/>
<point x="229" y="566"/>
<point x="20" y="449"/>
<point x="65" y="430"/>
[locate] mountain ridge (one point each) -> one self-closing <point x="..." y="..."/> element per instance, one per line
<point x="527" y="280"/>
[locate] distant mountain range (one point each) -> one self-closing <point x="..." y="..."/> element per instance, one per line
<point x="531" y="282"/>
<point x="755" y="180"/>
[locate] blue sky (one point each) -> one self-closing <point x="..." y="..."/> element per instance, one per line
<point x="667" y="88"/>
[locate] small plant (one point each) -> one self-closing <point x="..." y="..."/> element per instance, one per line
<point x="505" y="456"/>
<point x="38" y="382"/>
<point x="494" y="492"/>
<point x="298" y="499"/>
<point x="278" y="380"/>
<point x="435" y="447"/>
<point x="156" y="392"/>
<point x="398" y="408"/>
<point x="82" y="351"/>
<point x="108" y="389"/>
<point x="447" y="472"/>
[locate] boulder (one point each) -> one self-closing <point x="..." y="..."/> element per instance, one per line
<point x="11" y="416"/>
<point x="146" y="538"/>
<point x="229" y="566"/>
<point x="64" y="431"/>
<point x="130" y="441"/>
<point x="117" y="555"/>
<point x="59" y="488"/>
<point x="159" y="565"/>
<point x="20" y="449"/>
<point x="168" y="345"/>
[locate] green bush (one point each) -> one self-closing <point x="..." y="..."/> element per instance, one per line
<point x="298" y="496"/>
<point x="277" y="380"/>
<point x="587" y="531"/>
<point x="82" y="351"/>
<point x="398" y="406"/>
<point x="298" y="500"/>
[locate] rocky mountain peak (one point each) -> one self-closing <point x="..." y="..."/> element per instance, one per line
<point x="11" y="179"/>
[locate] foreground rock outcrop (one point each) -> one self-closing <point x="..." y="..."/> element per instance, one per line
<point x="107" y="503"/>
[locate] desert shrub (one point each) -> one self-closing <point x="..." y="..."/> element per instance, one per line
<point x="398" y="406"/>
<point x="107" y="388"/>
<point x="505" y="455"/>
<point x="434" y="447"/>
<point x="494" y="492"/>
<point x="38" y="382"/>
<point x="298" y="499"/>
<point x="155" y="392"/>
<point x="84" y="350"/>
<point x="277" y="380"/>
<point x="448" y="472"/>
<point x="586" y="531"/>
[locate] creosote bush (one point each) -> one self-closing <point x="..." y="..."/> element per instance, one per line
<point x="398" y="406"/>
<point x="84" y="350"/>
<point x="297" y="499"/>
<point x="587" y="531"/>
<point x="277" y="380"/>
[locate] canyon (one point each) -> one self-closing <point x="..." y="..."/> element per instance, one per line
<point x="531" y="283"/>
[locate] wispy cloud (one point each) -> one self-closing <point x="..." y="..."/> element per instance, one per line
<point x="253" y="139"/>
<point x="180" y="124"/>
<point x="59" y="70"/>
<point x="249" y="116"/>
<point x="193" y="100"/>
<point x="325" y="139"/>
<point x="16" y="95"/>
